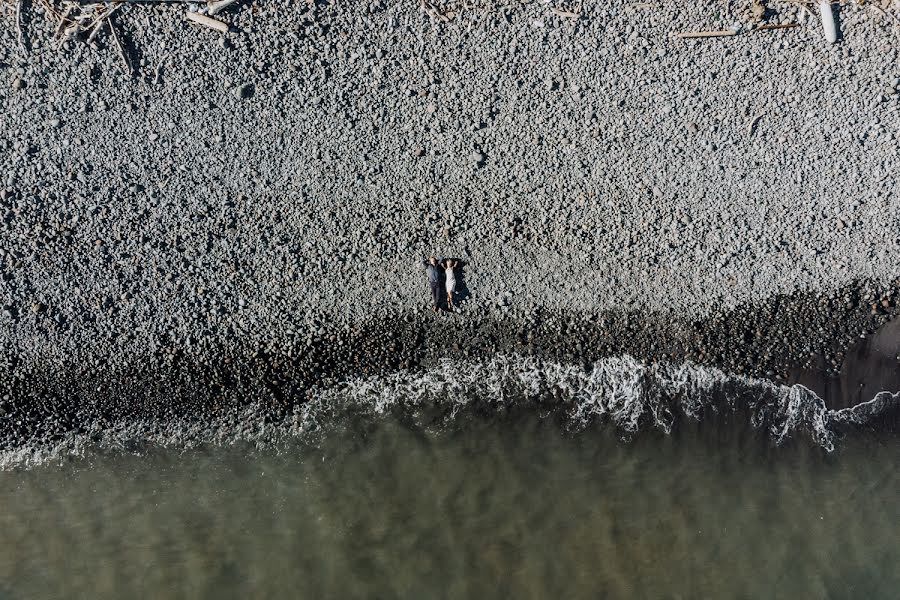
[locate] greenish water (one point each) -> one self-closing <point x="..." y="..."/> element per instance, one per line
<point x="499" y="507"/>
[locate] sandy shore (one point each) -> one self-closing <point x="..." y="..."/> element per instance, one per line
<point x="257" y="210"/>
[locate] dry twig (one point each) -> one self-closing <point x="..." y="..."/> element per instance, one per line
<point x="433" y="12"/>
<point x="565" y="14"/>
<point x="213" y="8"/>
<point x="707" y="34"/>
<point x="119" y="47"/>
<point x="19" y="35"/>
<point x="157" y="72"/>
<point x="771" y="27"/>
<point x="62" y="21"/>
<point x="199" y="19"/>
<point x="752" y="126"/>
<point x="881" y="10"/>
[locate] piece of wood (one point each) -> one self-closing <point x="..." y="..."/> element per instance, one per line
<point x="885" y="13"/>
<point x="565" y="14"/>
<point x="828" y="21"/>
<point x="433" y="12"/>
<point x="62" y="22"/>
<point x="707" y="34"/>
<point x="120" y="47"/>
<point x="99" y="25"/>
<point x="752" y="126"/>
<point x="199" y="19"/>
<point x="157" y="73"/>
<point x="96" y="30"/>
<point x="20" y="36"/>
<point x="758" y="9"/>
<point x="771" y="27"/>
<point x="213" y="8"/>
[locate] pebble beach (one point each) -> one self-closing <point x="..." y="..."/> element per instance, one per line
<point x="243" y="217"/>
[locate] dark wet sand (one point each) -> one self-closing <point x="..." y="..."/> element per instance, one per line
<point x="871" y="366"/>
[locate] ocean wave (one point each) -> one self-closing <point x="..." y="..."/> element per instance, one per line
<point x="622" y="391"/>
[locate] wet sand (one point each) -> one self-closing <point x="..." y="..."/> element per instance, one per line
<point x="869" y="367"/>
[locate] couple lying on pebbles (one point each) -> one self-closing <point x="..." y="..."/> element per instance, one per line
<point x="433" y="267"/>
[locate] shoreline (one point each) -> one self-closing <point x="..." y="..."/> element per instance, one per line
<point x="51" y="403"/>
<point x="870" y="366"/>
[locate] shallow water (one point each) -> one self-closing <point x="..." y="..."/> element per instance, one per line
<point x="503" y="506"/>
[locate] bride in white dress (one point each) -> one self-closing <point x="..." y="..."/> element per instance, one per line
<point x="450" y="278"/>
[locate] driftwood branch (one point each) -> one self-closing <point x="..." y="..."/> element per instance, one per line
<point x="771" y="27"/>
<point x="707" y="34"/>
<point x="213" y="8"/>
<point x="120" y="47"/>
<point x="199" y="19"/>
<point x="20" y="36"/>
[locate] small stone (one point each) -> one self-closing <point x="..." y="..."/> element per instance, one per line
<point x="38" y="308"/>
<point x="243" y="91"/>
<point x="18" y="84"/>
<point x="418" y="151"/>
<point x="54" y="123"/>
<point x="757" y="9"/>
<point x="477" y="157"/>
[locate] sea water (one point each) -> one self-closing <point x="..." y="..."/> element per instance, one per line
<point x="507" y="479"/>
<point x="509" y="505"/>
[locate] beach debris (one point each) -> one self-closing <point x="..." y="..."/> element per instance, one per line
<point x="213" y="8"/>
<point x="99" y="26"/>
<point x="157" y="72"/>
<point x="88" y="19"/>
<point x="706" y="34"/>
<point x="433" y="12"/>
<point x="20" y="36"/>
<point x="881" y="10"/>
<point x="119" y="46"/>
<point x="565" y="14"/>
<point x="62" y="22"/>
<point x="244" y="91"/>
<point x="220" y="26"/>
<point x="828" y="22"/>
<point x="758" y="9"/>
<point x="752" y="126"/>
<point x="774" y="27"/>
<point x="90" y="39"/>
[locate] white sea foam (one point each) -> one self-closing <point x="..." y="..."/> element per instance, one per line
<point x="621" y="391"/>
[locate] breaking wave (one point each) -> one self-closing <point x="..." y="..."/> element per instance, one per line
<point x="622" y="391"/>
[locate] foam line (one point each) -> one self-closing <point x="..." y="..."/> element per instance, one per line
<point x="622" y="391"/>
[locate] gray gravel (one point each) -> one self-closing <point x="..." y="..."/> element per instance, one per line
<point x="292" y="179"/>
